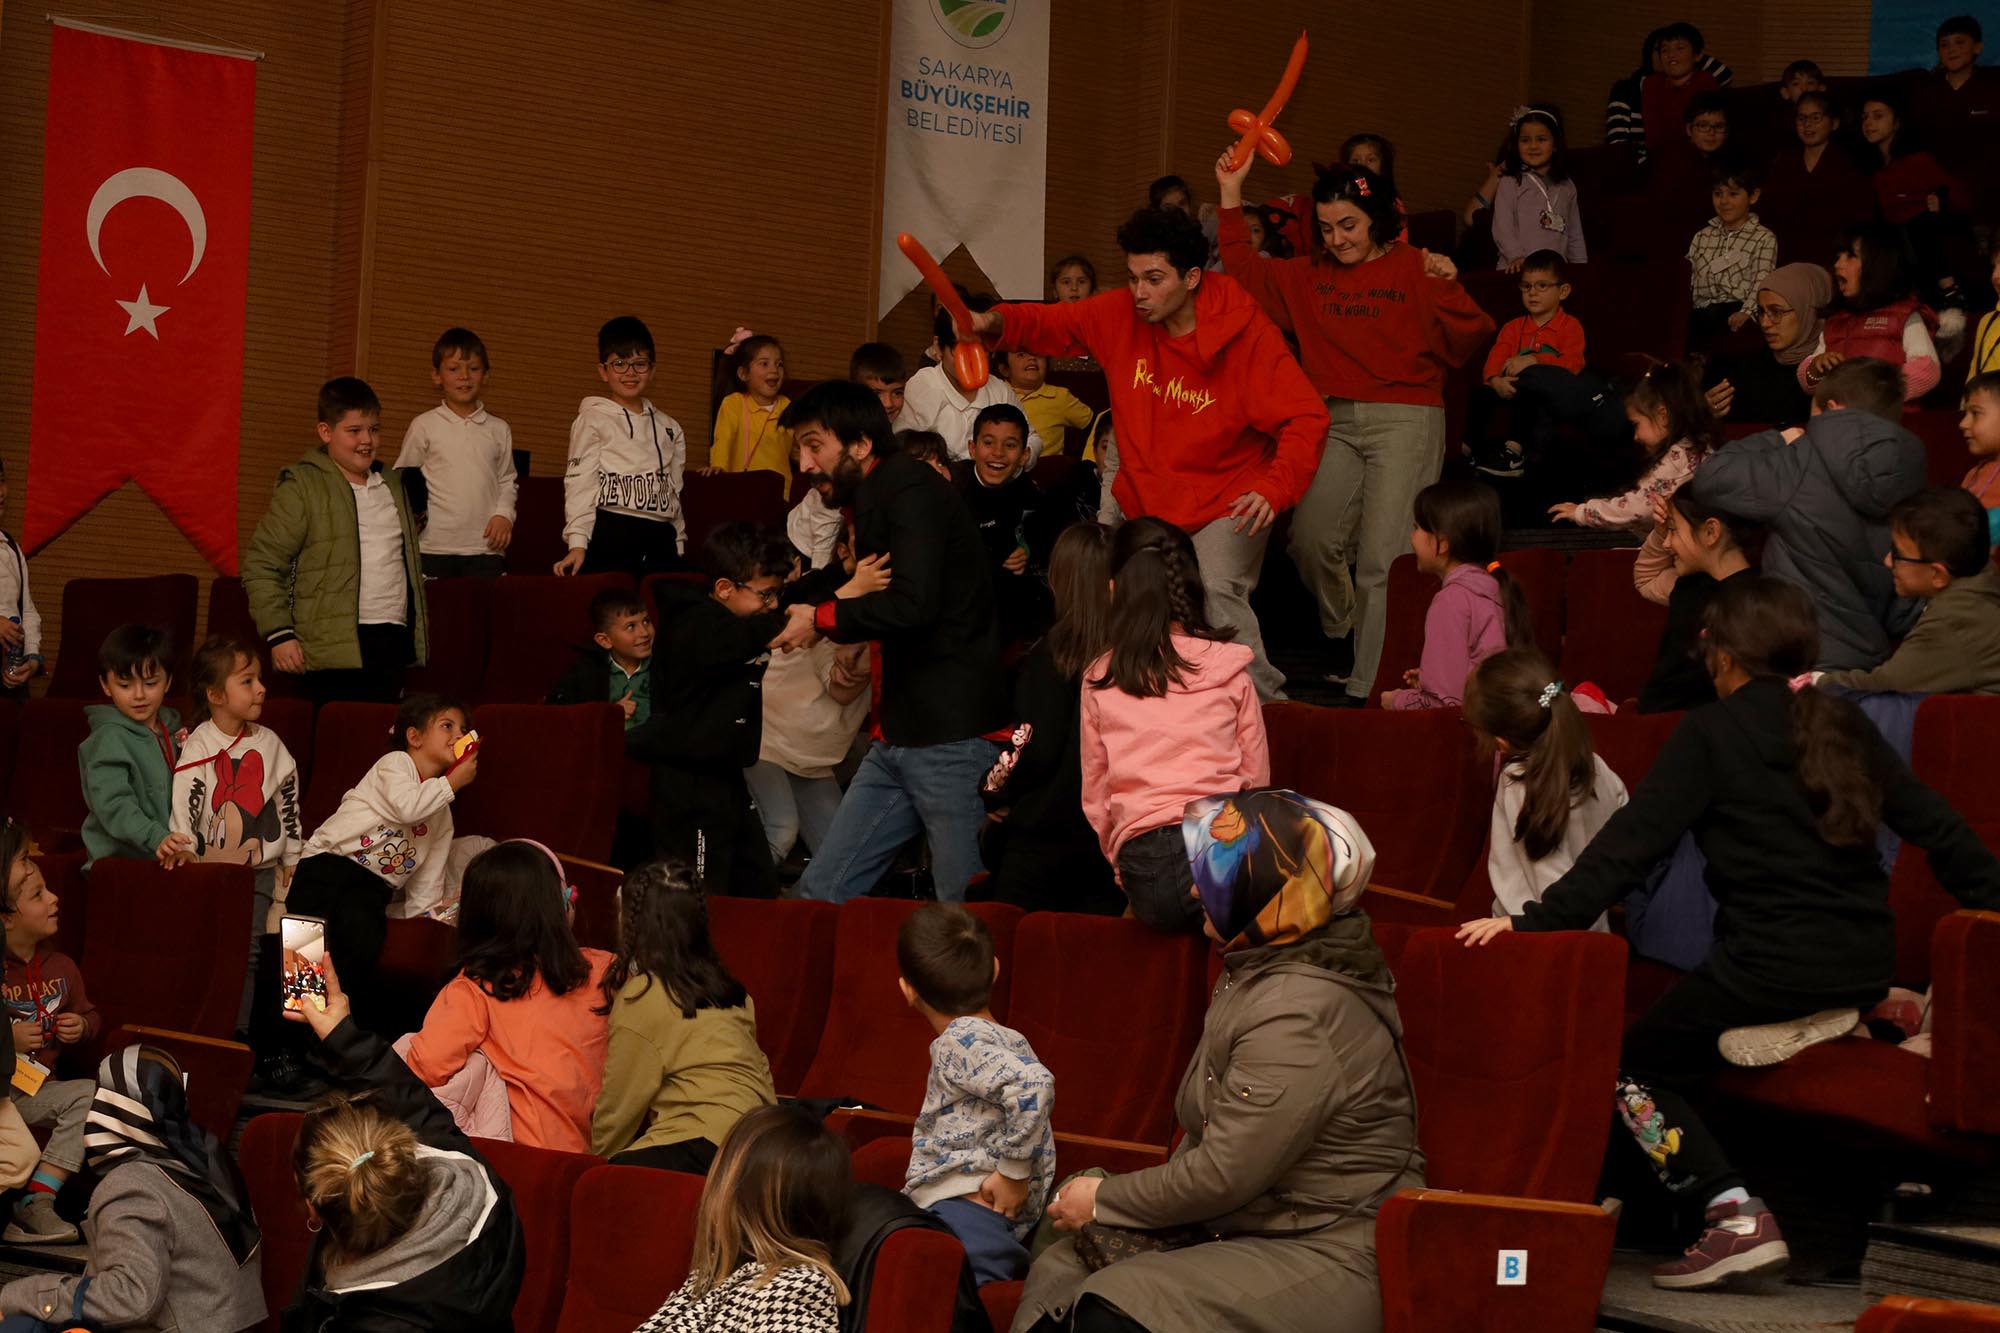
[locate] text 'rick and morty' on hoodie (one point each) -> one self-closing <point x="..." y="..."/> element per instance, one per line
<point x="622" y="462"/>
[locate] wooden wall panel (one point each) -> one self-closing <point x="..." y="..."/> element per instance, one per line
<point x="1832" y="33"/>
<point x="292" y="214"/>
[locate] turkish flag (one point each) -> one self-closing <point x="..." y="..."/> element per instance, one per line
<point x="144" y="269"/>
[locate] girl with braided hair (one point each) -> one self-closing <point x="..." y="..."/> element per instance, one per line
<point x="683" y="1063"/>
<point x="1169" y="714"/>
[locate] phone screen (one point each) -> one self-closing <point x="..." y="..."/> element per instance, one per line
<point x="304" y="941"/>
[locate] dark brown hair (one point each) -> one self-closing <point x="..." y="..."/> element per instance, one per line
<point x="513" y="925"/>
<point x="214" y="663"/>
<point x="1865" y="384"/>
<point x="1770" y="630"/>
<point x="663" y="937"/>
<point x="1946" y="524"/>
<point x="1080" y="579"/>
<point x="946" y="954"/>
<point x="1466" y="516"/>
<point x="1158" y="595"/>
<point x="1676" y="388"/>
<point x="777" y="1197"/>
<point x="1547" y="741"/>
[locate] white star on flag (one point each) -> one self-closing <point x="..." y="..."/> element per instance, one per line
<point x="142" y="312"/>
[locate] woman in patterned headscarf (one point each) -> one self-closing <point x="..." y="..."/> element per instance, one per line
<point x="1297" y="1107"/>
<point x="172" y="1242"/>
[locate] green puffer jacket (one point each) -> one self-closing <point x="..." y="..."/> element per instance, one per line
<point x="302" y="571"/>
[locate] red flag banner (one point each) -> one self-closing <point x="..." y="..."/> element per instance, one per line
<point x="144" y="271"/>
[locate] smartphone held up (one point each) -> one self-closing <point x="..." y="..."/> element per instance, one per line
<point x="304" y="941"/>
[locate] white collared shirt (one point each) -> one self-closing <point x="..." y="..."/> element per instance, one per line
<point x="931" y="402"/>
<point x="468" y="467"/>
<point x="385" y="583"/>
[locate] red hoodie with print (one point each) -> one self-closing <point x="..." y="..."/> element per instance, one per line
<point x="1197" y="415"/>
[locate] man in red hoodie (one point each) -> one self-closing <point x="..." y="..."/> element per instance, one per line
<point x="1218" y="427"/>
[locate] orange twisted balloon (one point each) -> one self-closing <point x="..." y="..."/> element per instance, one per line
<point x="968" y="358"/>
<point x="1258" y="134"/>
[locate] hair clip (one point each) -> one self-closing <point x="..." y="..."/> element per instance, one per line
<point x="1492" y="566"/>
<point x="360" y="1159"/>
<point x="1361" y="186"/>
<point x="1549" y="693"/>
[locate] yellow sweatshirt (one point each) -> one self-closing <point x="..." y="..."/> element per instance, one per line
<point x="1052" y="411"/>
<point x="769" y="446"/>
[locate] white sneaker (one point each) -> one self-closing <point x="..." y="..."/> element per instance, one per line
<point x="1775" y="1043"/>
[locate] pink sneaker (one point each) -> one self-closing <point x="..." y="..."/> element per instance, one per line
<point x="1741" y="1238"/>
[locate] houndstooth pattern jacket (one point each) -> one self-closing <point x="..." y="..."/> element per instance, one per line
<point x="797" y="1299"/>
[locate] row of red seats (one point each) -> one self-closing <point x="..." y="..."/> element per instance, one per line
<point x="522" y="745"/>
<point x="605" y="1245"/>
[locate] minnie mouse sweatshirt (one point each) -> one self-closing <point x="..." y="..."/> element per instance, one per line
<point x="238" y="797"/>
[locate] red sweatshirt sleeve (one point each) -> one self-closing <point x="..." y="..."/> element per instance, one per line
<point x="1062" y="329"/>
<point x="1505" y="347"/>
<point x="1287" y="408"/>
<point x="1259" y="276"/>
<point x="1456" y="326"/>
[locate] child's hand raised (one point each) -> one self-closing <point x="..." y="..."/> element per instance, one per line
<point x="323" y="1019"/>
<point x="464" y="771"/>
<point x="871" y="574"/>
<point x="289" y="658"/>
<point x="1229" y="177"/>
<point x="1003" y="1195"/>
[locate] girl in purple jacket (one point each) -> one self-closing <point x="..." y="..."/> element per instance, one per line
<point x="1478" y="611"/>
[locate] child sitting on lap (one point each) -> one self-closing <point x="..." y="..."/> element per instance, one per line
<point x="982" y="1156"/>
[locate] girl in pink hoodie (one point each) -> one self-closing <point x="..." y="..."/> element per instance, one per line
<point x="1168" y="715"/>
<point x="1478" y="611"/>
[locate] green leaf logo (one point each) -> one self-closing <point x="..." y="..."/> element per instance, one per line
<point x="974" y="23"/>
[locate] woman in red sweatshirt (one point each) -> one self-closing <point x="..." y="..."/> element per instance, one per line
<point x="1218" y="428"/>
<point x="1377" y="333"/>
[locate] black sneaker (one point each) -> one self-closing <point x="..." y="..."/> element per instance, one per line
<point x="1508" y="463"/>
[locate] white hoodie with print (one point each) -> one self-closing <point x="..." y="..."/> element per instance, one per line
<point x="622" y="462"/>
<point x="397" y="825"/>
<point x="237" y="797"/>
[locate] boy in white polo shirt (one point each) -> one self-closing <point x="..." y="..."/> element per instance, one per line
<point x="466" y="457"/>
<point x="935" y="400"/>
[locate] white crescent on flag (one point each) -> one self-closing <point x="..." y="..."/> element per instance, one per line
<point x="147" y="183"/>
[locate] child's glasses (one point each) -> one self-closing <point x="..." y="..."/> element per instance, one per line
<point x="1539" y="286"/>
<point x="1810" y="118"/>
<point x="620" y="367"/>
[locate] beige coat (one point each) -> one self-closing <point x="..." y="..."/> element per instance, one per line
<point x="1299" y="1122"/>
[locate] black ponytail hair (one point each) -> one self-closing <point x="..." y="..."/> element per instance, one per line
<point x="1466" y="515"/>
<point x="1770" y="630"/>
<point x="1514" y="696"/>
<point x="1157" y="594"/>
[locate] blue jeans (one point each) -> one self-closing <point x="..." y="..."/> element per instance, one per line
<point x="898" y="790"/>
<point x="988" y="1238"/>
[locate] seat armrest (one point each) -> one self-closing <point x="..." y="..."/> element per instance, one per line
<point x="1486" y="1261"/>
<point x="1964" y="1074"/>
<point x="860" y="1128"/>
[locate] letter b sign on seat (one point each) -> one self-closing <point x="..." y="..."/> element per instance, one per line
<point x="1513" y="1269"/>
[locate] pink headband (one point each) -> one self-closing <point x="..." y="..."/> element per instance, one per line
<point x="562" y="875"/>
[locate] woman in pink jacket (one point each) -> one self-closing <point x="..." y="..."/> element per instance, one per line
<point x="1168" y="715"/>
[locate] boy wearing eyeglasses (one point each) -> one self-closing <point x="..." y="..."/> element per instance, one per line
<point x="1939" y="552"/>
<point x="707" y="718"/>
<point x="622" y="491"/>
<point x="1546" y="345"/>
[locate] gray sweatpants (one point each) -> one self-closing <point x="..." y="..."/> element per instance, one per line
<point x="1359" y="511"/>
<point x="63" y="1106"/>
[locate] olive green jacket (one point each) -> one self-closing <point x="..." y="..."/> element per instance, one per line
<point x="302" y="571"/>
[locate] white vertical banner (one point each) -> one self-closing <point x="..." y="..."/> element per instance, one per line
<point x="966" y="139"/>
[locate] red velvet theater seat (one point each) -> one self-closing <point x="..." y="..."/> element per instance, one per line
<point x="1541" y="571"/>
<point x="292" y="719"/>
<point x="1427" y="820"/>
<point x="915" y="1286"/>
<point x="548" y="773"/>
<point x="265" y="1157"/>
<point x="782" y="952"/>
<point x="10" y="735"/>
<point x="46" y="792"/>
<point x="1917" y="1314"/>
<point x="729" y="497"/>
<point x="347" y="740"/>
<point x="538" y="524"/>
<point x="460" y="640"/>
<point x="229" y="611"/>
<point x="1613" y="633"/>
<point x="538" y="623"/>
<point x="631" y="1236"/>
<point x="1629" y="740"/>
<point x="1116" y="1079"/>
<point x="544" y="1185"/>
<point x="875" y="1049"/>
<point x="169" y="947"/>
<point x="1516" y="1100"/>
<point x="92" y="608"/>
<point x="1946" y="460"/>
<point x="1951" y="749"/>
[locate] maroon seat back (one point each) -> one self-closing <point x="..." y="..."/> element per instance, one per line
<point x="875" y="1049"/>
<point x="1540" y="571"/>
<point x="292" y="719"/>
<point x="549" y="773"/>
<point x="1627" y="740"/>
<point x="229" y="611"/>
<point x="1633" y="309"/>
<point x="619" y="1212"/>
<point x="1427" y="820"/>
<point x="1946" y="460"/>
<point x="347" y="740"/>
<point x="1115" y="1080"/>
<point x="1613" y="633"/>
<point x="1515" y="1097"/>
<point x="10" y="739"/>
<point x="915" y="1285"/>
<point x="538" y="525"/>
<point x="92" y="608"/>
<point x="538" y="621"/>
<point x="1951" y="747"/>
<point x="265" y="1157"/>
<point x="461" y="626"/>
<point x="727" y="497"/>
<point x="45" y="790"/>
<point x="544" y="1185"/>
<point x="169" y="947"/>
<point x="782" y="952"/>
